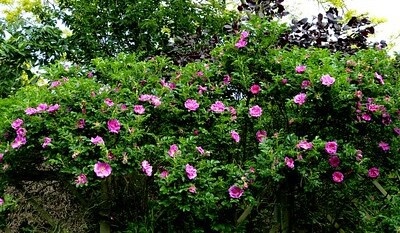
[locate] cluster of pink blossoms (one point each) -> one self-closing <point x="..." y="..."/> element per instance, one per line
<point x="242" y="42"/>
<point x="43" y="107"/>
<point x="20" y="140"/>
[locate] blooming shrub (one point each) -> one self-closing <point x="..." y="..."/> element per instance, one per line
<point x="196" y="148"/>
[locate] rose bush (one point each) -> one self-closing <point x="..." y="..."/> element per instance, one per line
<point x="304" y="135"/>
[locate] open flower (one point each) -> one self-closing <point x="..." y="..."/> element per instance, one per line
<point x="255" y="89"/>
<point x="331" y="147"/>
<point x="255" y="111"/>
<point x="373" y="172"/>
<point x="289" y="162"/>
<point x="327" y="80"/>
<point x="46" y="142"/>
<point x="191" y="105"/>
<point x="261" y="135"/>
<point x="172" y="150"/>
<point x="147" y="168"/>
<point x="113" y="126"/>
<point x="218" y="107"/>
<point x="235" y="136"/>
<point x="300" y="98"/>
<point x="17" y="123"/>
<point x="300" y="69"/>
<point x="81" y="180"/>
<point x="97" y="140"/>
<point x="102" y="170"/>
<point x="235" y="191"/>
<point x="191" y="172"/>
<point x="303" y="144"/>
<point x="139" y="109"/>
<point x="337" y="177"/>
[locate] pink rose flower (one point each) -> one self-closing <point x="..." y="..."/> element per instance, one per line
<point x="218" y="107"/>
<point x="191" y="105"/>
<point x="139" y="109"/>
<point x="235" y="191"/>
<point x="303" y="144"/>
<point x="191" y="172"/>
<point x="102" y="170"/>
<point x="241" y="43"/>
<point x="164" y="174"/>
<point x="192" y="189"/>
<point x="145" y="97"/>
<point x="289" y="162"/>
<point x="1" y="201"/>
<point x="97" y="140"/>
<point x="227" y="79"/>
<point x="261" y="135"/>
<point x="16" y="124"/>
<point x="334" y="161"/>
<point x="255" y="89"/>
<point x="373" y="172"/>
<point x="46" y="142"/>
<point x="53" y="108"/>
<point x="200" y="149"/>
<point x="331" y="147"/>
<point x="172" y="150"/>
<point x="147" y="168"/>
<point x="255" y="111"/>
<point x="384" y="146"/>
<point x="81" y="180"/>
<point x="327" y="80"/>
<point x="155" y="101"/>
<point x="379" y="77"/>
<point x="300" y="69"/>
<point x="31" y="111"/>
<point x="337" y="177"/>
<point x="300" y="98"/>
<point x="113" y="125"/>
<point x="18" y="142"/>
<point x="21" y="132"/>
<point x="41" y="107"/>
<point x="109" y="102"/>
<point x="235" y="136"/>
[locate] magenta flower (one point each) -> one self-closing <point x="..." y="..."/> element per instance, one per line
<point x="147" y="168"/>
<point x="124" y="107"/>
<point x="155" y="101"/>
<point x="300" y="98"/>
<point x="55" y="84"/>
<point x="244" y="35"/>
<point x="172" y="150"/>
<point x="379" y="77"/>
<point x="191" y="172"/>
<point x="200" y="149"/>
<point x="373" y="107"/>
<point x="1" y="201"/>
<point x="235" y="136"/>
<point x="18" y="142"/>
<point x="53" y="108"/>
<point x="145" y="97"/>
<point x="97" y="140"/>
<point x="331" y="147"/>
<point x="46" y="142"/>
<point x="113" y="125"/>
<point x="109" y="102"/>
<point x="139" y="109"/>
<point x="227" y="79"/>
<point x="192" y="189"/>
<point x="327" y="80"/>
<point x="305" y="84"/>
<point x="218" y="107"/>
<point x="241" y="43"/>
<point x="1" y="157"/>
<point x="337" y="177"/>
<point x="255" y="111"/>
<point x="164" y="174"/>
<point x="81" y="124"/>
<point x="300" y="69"/>
<point x="366" y="117"/>
<point x="255" y="89"/>
<point x="191" y="105"/>
<point x="373" y="172"/>
<point x="289" y="162"/>
<point x="334" y="161"/>
<point x="202" y="89"/>
<point x="102" y="170"/>
<point x="384" y="146"/>
<point x="41" y="107"/>
<point x="31" y="111"/>
<point x="303" y="144"/>
<point x="235" y="191"/>
<point x="17" y="123"/>
<point x="21" y="132"/>
<point x="81" y="180"/>
<point x="261" y="135"/>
